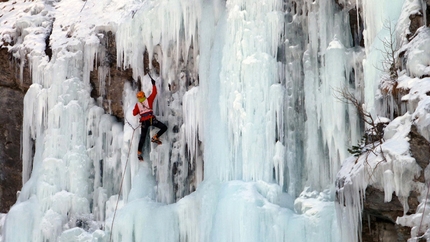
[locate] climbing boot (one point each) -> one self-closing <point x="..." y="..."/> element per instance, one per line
<point x="139" y="156"/>
<point x="155" y="139"/>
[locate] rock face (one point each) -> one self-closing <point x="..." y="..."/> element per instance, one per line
<point x="420" y="150"/>
<point x="111" y="98"/>
<point x="11" y="164"/>
<point x="11" y="105"/>
<point x="378" y="217"/>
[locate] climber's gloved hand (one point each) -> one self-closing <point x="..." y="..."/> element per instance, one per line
<point x="152" y="81"/>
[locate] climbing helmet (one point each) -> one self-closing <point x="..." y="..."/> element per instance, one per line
<point x="140" y="94"/>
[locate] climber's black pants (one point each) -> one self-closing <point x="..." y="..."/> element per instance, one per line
<point x="144" y="130"/>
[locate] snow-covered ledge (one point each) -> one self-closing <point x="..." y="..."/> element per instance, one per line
<point x="392" y="167"/>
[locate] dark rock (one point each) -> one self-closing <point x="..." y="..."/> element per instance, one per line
<point x="11" y="103"/>
<point x="48" y="50"/>
<point x="12" y="91"/>
<point x="115" y="79"/>
<point x="357" y="27"/>
<point x="379" y="217"/>
<point x="9" y="75"/>
<point x="420" y="150"/>
<point x="417" y="20"/>
<point x="428" y="13"/>
<point x="175" y="129"/>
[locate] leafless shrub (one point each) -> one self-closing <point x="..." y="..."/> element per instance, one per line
<point x="374" y="132"/>
<point x="389" y="52"/>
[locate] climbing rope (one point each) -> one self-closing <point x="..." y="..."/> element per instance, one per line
<point x="122" y="178"/>
<point x="125" y="168"/>
<point x="84" y="6"/>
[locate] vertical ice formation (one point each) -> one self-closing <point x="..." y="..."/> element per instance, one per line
<point x="318" y="59"/>
<point x="245" y="86"/>
<point x="249" y="98"/>
<point x="69" y="145"/>
<point x="389" y="167"/>
<point x="168" y="32"/>
<point x="257" y="77"/>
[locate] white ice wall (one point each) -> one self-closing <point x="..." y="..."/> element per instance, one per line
<point x="263" y="130"/>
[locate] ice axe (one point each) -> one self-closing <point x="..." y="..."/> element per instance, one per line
<point x="152" y="79"/>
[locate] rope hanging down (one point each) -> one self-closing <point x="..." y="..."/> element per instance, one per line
<point x="84" y="6"/>
<point x="126" y="163"/>
<point x="122" y="178"/>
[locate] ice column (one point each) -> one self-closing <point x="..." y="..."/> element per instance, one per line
<point x="248" y="84"/>
<point x="328" y="60"/>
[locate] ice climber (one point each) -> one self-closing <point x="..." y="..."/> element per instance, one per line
<point x="144" y="108"/>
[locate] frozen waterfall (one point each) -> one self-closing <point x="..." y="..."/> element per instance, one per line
<point x="247" y="88"/>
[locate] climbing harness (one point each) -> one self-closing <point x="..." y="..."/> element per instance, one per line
<point x="122" y="178"/>
<point x="144" y="110"/>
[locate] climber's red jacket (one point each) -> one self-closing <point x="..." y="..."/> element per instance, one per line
<point x="145" y="108"/>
